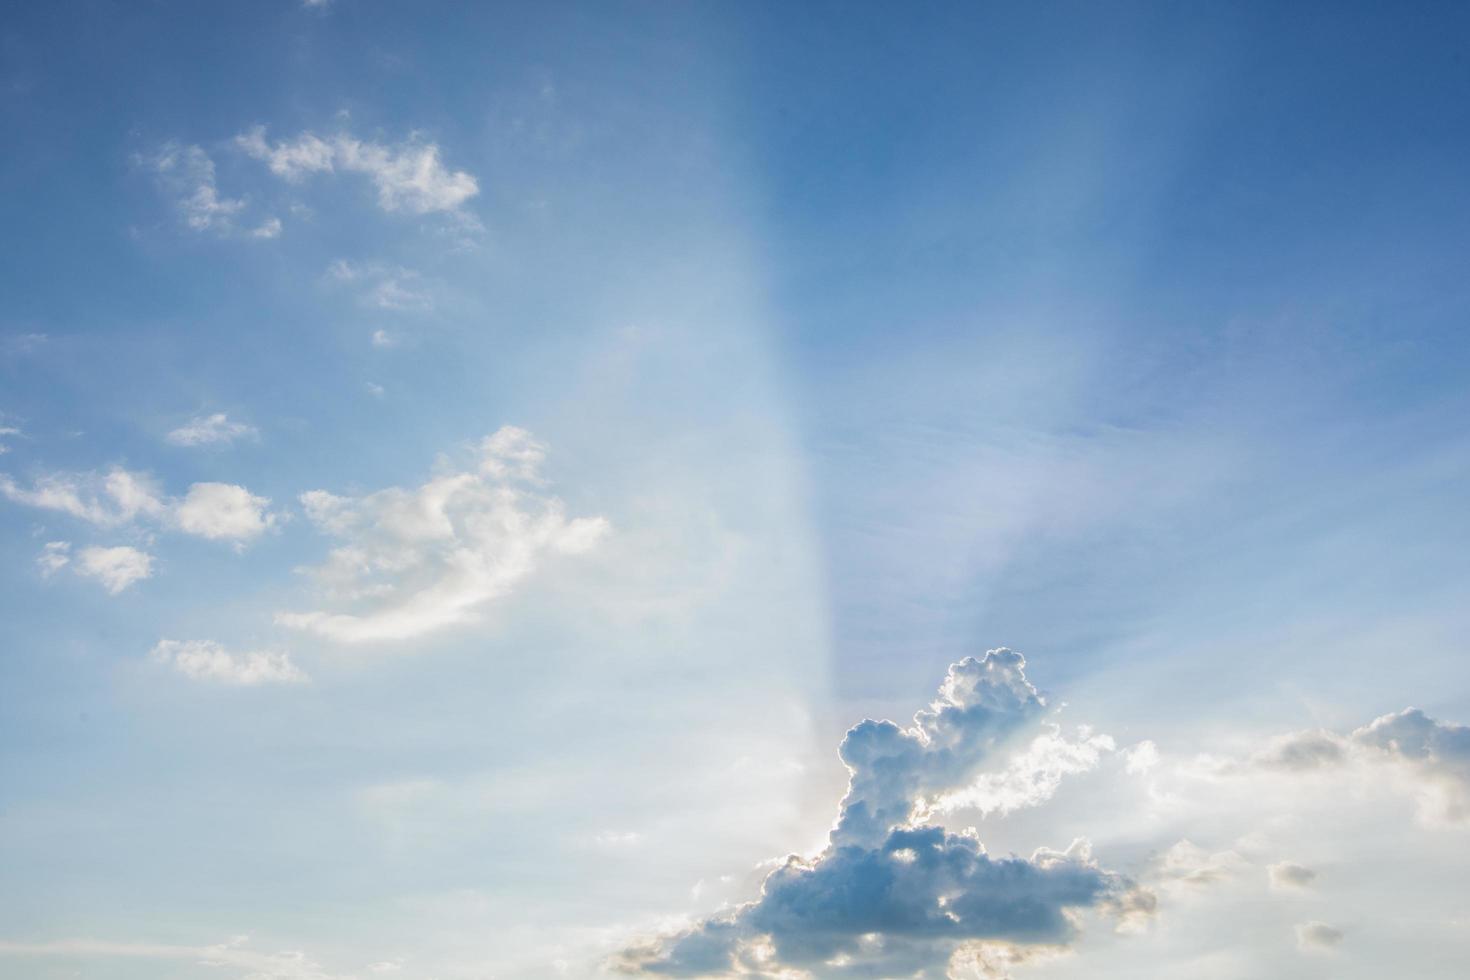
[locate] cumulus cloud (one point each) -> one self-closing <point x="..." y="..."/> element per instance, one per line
<point x="223" y="511"/>
<point x="7" y="430"/>
<point x="205" y="660"/>
<point x="1189" y="864"/>
<point x="408" y="176"/>
<point x="115" y="568"/>
<point x="210" y="430"/>
<point x="1432" y="756"/>
<point x="121" y="497"/>
<point x="1288" y="875"/>
<point x="55" y="556"/>
<point x="890" y="896"/>
<point x="414" y="560"/>
<point x="1317" y="936"/>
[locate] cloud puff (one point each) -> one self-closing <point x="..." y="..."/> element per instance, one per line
<point x="205" y="660"/>
<point x="408" y="176"/>
<point x="210" y="430"/>
<point x="1434" y="757"/>
<point x="54" y="556"/>
<point x="414" y="560"/>
<point x="222" y="510"/>
<point x="1189" y="864"/>
<point x="389" y="288"/>
<point x="116" y="568"/>
<point x="1317" y="936"/>
<point x="120" y="497"/>
<point x="8" y="430"/>
<point x="1287" y="875"/>
<point x="888" y="897"/>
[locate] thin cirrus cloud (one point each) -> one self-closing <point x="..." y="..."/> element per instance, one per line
<point x="186" y="173"/>
<point x="415" y="560"/>
<point x="408" y="176"/>
<point x="119" y="498"/>
<point x="387" y="288"/>
<point x="893" y="896"/>
<point x="205" y="660"/>
<point x="216" y="429"/>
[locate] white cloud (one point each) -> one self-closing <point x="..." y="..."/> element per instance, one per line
<point x="222" y="510"/>
<point x="408" y="176"/>
<point x="210" y="430"/>
<point x="389" y="288"/>
<point x="55" y="556"/>
<point x="8" y="430"/>
<point x="414" y="560"/>
<point x="269" y="228"/>
<point x="1317" y="936"/>
<point x="381" y="338"/>
<point x="121" y="497"/>
<point x="116" y="568"/>
<point x="205" y="660"/>
<point x="187" y="174"/>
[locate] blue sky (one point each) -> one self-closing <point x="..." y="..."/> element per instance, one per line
<point x="466" y="470"/>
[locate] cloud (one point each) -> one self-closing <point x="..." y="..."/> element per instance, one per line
<point x="1432" y="756"/>
<point x="55" y="556"/>
<point x="1317" y="936"/>
<point x="421" y="559"/>
<point x="186" y="173"/>
<point x="408" y="176"/>
<point x="389" y="288"/>
<point x="210" y="430"/>
<point x="205" y="660"/>
<point x="1189" y="864"/>
<point x="891" y="897"/>
<point x="223" y="511"/>
<point x="288" y="965"/>
<point x="269" y="228"/>
<point x="116" y="568"/>
<point x="1286" y="875"/>
<point x="8" y="430"/>
<point x="121" y="497"/>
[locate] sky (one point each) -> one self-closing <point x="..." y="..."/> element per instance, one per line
<point x="734" y="490"/>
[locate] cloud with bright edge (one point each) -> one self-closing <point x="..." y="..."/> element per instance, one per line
<point x="211" y="430"/>
<point x="892" y="896"/>
<point x="205" y="660"/>
<point x="186" y="173"/>
<point x="119" y="498"/>
<point x="409" y="176"/>
<point x="414" y="560"/>
<point x="115" y="568"/>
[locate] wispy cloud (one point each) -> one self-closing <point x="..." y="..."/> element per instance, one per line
<point x="211" y="430"/>
<point x="409" y="176"/>
<point x="414" y="560"/>
<point x="205" y="660"/>
<point x="120" y="497"/>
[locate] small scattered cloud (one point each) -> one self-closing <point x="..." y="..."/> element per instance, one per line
<point x="269" y="228"/>
<point x="55" y="556"/>
<point x="186" y="173"/>
<point x="391" y="289"/>
<point x="382" y="338"/>
<point x="211" y="430"/>
<point x="115" y="568"/>
<point x="223" y="511"/>
<point x="1317" y="936"/>
<point x="415" y="560"/>
<point x="205" y="660"/>
<point x="1189" y="864"/>
<point x="122" y="498"/>
<point x="1286" y="875"/>
<point x="408" y="176"/>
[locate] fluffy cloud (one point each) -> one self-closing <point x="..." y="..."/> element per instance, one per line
<point x="1432" y="756"/>
<point x="55" y="556"/>
<point x="1317" y="936"/>
<point x="408" y="176"/>
<point x="205" y="660"/>
<point x="889" y="896"/>
<point x="1287" y="875"/>
<point x="390" y="288"/>
<point x="120" y="497"/>
<point x="116" y="568"/>
<point x="223" y="511"/>
<point x="210" y="430"/>
<point x="413" y="560"/>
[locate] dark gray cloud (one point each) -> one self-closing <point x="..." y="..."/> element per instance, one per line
<point x="889" y="897"/>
